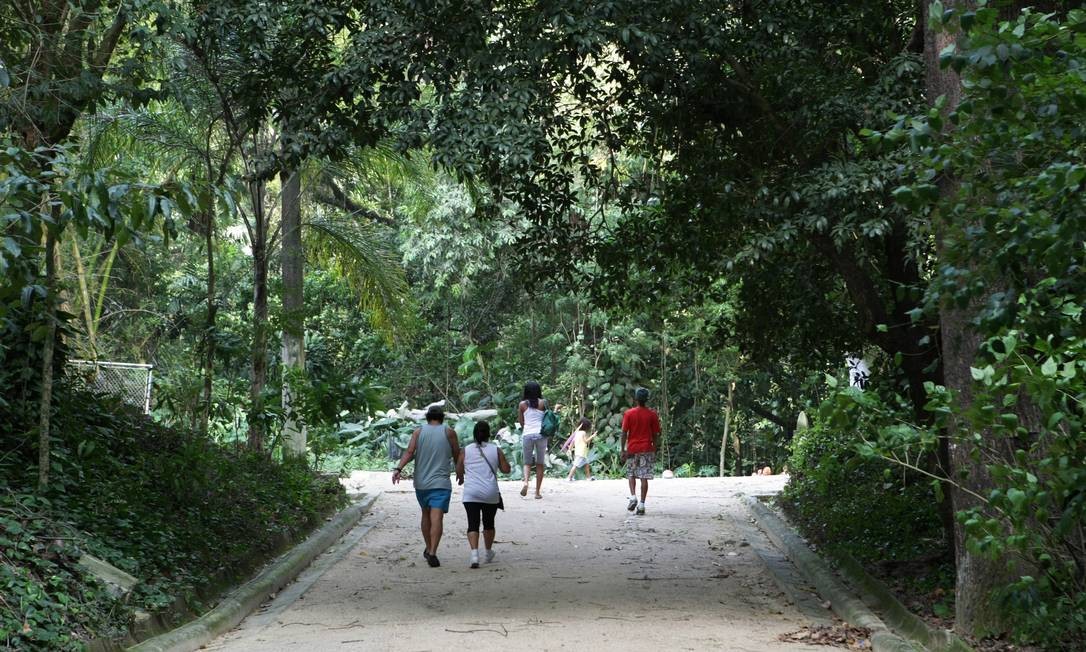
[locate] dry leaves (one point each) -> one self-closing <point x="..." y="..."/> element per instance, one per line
<point x="837" y="635"/>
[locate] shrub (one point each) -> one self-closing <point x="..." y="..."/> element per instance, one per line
<point x="870" y="507"/>
<point x="168" y="506"/>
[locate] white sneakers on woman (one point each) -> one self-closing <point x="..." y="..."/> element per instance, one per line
<point x="474" y="560"/>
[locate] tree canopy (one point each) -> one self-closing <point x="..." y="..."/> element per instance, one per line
<point x="304" y="214"/>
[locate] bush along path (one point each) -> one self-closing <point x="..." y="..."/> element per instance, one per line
<point x="574" y="570"/>
<point x="185" y="517"/>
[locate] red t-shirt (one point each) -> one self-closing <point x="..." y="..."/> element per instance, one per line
<point x="641" y="424"/>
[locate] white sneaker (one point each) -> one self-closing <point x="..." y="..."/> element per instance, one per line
<point x="474" y="558"/>
<point x="631" y="504"/>
<point x="489" y="556"/>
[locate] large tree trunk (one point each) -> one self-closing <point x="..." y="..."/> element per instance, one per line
<point x="209" y="326"/>
<point x="260" y="318"/>
<point x="977" y="576"/>
<point x="45" y="406"/>
<point x="293" y="348"/>
<point x="728" y="409"/>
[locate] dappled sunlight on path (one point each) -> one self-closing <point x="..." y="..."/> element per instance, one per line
<point x="573" y="570"/>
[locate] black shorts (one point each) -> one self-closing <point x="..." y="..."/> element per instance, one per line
<point x="475" y="510"/>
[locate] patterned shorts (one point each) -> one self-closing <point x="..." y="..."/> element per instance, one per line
<point x="640" y="465"/>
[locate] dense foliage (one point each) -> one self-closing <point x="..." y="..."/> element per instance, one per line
<point x="164" y="505"/>
<point x="1014" y="250"/>
<point x="306" y="213"/>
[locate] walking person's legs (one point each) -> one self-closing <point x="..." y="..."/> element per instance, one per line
<point x="527" y="449"/>
<point x="643" y="469"/>
<point x="538" y="480"/>
<point x="473" y="509"/>
<point x="425" y="526"/>
<point x="434" y="504"/>
<point x="437" y="526"/>
<point x="489" y="512"/>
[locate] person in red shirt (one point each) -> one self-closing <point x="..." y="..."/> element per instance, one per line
<point x="640" y="440"/>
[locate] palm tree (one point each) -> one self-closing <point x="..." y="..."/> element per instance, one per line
<point x="174" y="141"/>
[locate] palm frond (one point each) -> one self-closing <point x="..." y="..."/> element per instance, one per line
<point x="357" y="253"/>
<point x="381" y="175"/>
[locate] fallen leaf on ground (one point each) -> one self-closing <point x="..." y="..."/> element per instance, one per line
<point x="838" y="635"/>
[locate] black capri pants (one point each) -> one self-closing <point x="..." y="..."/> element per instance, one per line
<point x="475" y="510"/>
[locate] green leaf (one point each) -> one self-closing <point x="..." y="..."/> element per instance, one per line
<point x="1049" y="368"/>
<point x="12" y="247"/>
<point x="1017" y="497"/>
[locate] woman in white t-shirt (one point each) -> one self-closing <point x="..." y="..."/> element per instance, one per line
<point x="478" y="465"/>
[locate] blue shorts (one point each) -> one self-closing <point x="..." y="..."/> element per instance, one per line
<point x="434" y="498"/>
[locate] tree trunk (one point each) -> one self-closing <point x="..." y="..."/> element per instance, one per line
<point x="46" y="405"/>
<point x="292" y="259"/>
<point x="665" y="408"/>
<point x="728" y="407"/>
<point x="977" y="576"/>
<point x="209" y="327"/>
<point x="260" y="318"/>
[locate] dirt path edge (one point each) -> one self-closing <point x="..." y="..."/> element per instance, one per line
<point x="847" y="606"/>
<point x="897" y="615"/>
<point x="242" y="601"/>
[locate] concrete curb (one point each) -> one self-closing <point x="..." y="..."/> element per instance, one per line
<point x="877" y="596"/>
<point x="238" y="604"/>
<point x="851" y="609"/>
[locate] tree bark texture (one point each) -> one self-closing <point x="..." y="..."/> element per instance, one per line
<point x="209" y="327"/>
<point x="978" y="577"/>
<point x="292" y="261"/>
<point x="260" y="318"/>
<point x="45" y="407"/>
<point x="728" y="408"/>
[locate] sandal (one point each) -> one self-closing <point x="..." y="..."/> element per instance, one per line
<point x="524" y="490"/>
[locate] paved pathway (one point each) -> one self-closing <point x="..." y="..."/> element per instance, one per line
<point x="574" y="571"/>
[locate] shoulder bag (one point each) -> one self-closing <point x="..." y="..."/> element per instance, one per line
<point x="482" y="453"/>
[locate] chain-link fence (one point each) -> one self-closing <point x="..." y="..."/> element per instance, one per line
<point x="127" y="380"/>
